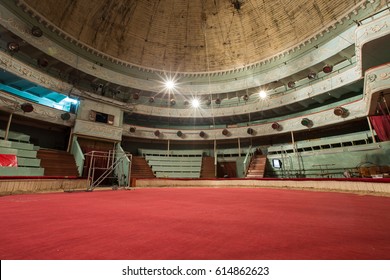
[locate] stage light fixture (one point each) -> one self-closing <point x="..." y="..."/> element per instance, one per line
<point x="311" y="75"/>
<point x="13" y="47"/>
<point x="36" y="31"/>
<point x="250" y="131"/>
<point x="291" y="84"/>
<point x="65" y="116"/>
<point x="306" y="122"/>
<point x="341" y="112"/>
<point x="276" y="126"/>
<point x="327" y="68"/>
<point x="27" y="107"/>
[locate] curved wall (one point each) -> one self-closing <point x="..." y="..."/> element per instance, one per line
<point x="375" y="80"/>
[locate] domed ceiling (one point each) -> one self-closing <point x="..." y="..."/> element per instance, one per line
<point x="191" y="36"/>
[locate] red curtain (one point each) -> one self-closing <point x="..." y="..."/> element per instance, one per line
<point x="381" y="125"/>
<point x="8" y="160"/>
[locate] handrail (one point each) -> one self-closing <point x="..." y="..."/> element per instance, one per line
<point x="78" y="156"/>
<point x="248" y="159"/>
<point x="124" y="178"/>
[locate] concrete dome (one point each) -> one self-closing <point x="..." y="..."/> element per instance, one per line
<point x="192" y="36"/>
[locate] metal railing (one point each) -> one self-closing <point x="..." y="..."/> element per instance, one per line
<point x="248" y="159"/>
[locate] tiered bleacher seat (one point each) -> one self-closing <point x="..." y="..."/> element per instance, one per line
<point x="15" y="136"/>
<point x="178" y="164"/>
<point x="27" y="162"/>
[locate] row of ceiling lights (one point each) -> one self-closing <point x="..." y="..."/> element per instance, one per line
<point x="195" y="102"/>
<point x="13" y="47"/>
<point x="170" y="86"/>
<point x="312" y="75"/>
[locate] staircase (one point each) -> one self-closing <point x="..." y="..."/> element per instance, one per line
<point x="57" y="163"/>
<point x="257" y="166"/>
<point x="208" y="169"/>
<point x="140" y="168"/>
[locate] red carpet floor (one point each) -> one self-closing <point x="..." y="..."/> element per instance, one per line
<point x="195" y="223"/>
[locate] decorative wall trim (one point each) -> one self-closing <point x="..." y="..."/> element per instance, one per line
<point x="369" y="32"/>
<point x="31" y="74"/>
<point x="93" y="129"/>
<point x="376" y="80"/>
<point x="309" y="91"/>
<point x="11" y="104"/>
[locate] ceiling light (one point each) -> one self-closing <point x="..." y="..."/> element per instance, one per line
<point x="195" y="103"/>
<point x="262" y="94"/>
<point x="170" y="84"/>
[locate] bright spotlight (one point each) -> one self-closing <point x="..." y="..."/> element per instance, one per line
<point x="195" y="103"/>
<point x="262" y="94"/>
<point x="170" y="84"/>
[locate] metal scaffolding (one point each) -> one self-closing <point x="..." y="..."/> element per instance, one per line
<point x="112" y="168"/>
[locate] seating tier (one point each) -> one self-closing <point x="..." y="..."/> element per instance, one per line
<point x="179" y="164"/>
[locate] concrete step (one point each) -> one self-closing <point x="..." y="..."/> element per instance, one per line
<point x="19" y="153"/>
<point x="29" y="162"/>
<point x="16" y="145"/>
<point x="21" y="171"/>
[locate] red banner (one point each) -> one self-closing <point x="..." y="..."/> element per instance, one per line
<point x="8" y="160"/>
